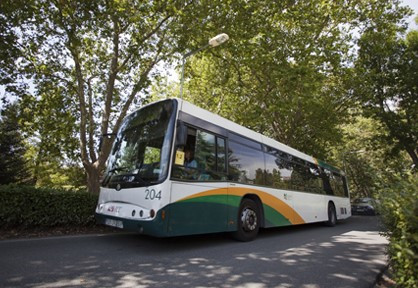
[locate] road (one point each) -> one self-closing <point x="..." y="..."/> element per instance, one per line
<point x="348" y="255"/>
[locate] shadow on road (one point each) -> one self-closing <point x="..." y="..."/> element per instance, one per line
<point x="348" y="255"/>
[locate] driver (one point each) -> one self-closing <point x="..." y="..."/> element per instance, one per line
<point x="189" y="157"/>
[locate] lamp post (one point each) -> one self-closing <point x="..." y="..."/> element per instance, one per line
<point x="215" y="41"/>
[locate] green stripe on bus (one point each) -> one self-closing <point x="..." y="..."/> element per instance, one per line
<point x="327" y="166"/>
<point x="272" y="217"/>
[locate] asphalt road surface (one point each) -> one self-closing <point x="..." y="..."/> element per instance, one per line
<point x="348" y="255"/>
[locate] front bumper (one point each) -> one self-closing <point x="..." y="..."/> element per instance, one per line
<point x="156" y="227"/>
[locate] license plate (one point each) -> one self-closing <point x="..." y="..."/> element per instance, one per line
<point x="114" y="223"/>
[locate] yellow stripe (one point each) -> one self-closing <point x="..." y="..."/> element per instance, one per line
<point x="268" y="199"/>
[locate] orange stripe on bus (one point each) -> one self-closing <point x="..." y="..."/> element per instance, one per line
<point x="275" y="203"/>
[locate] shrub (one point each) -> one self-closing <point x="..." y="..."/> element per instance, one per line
<point x="25" y="206"/>
<point x="400" y="215"/>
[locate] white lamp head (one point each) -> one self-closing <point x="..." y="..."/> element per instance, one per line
<point x="218" y="40"/>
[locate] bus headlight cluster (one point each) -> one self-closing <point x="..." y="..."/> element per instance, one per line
<point x="140" y="213"/>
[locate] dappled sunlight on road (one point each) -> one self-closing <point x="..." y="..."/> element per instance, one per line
<point x="310" y="256"/>
<point x="362" y="237"/>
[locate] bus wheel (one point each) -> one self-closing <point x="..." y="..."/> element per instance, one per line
<point x="332" y="216"/>
<point x="248" y="221"/>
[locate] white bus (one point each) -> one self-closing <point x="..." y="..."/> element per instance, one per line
<point x="176" y="169"/>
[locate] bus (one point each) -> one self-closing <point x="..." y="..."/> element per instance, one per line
<point x="176" y="169"/>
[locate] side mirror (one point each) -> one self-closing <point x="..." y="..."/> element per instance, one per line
<point x="181" y="136"/>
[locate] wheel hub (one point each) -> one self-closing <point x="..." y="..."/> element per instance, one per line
<point x="249" y="219"/>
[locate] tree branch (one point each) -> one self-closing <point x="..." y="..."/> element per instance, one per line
<point x="134" y="47"/>
<point x="72" y="47"/>
<point x="92" y="152"/>
<point x="110" y="87"/>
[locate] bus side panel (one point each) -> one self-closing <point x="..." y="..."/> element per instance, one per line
<point x="342" y="207"/>
<point x="277" y="205"/>
<point x="198" y="208"/>
<point x="311" y="207"/>
<point x="284" y="214"/>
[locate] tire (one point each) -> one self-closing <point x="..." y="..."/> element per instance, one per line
<point x="332" y="216"/>
<point x="248" y="221"/>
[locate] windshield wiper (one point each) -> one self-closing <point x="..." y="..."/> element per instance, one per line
<point x="137" y="179"/>
<point x="141" y="181"/>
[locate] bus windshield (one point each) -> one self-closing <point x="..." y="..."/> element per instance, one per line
<point x="141" y="152"/>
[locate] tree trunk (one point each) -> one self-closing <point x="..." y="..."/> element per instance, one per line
<point x="93" y="179"/>
<point x="413" y="156"/>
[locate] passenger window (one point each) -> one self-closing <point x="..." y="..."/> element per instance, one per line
<point x="205" y="151"/>
<point x="314" y="182"/>
<point x="326" y="181"/>
<point x="345" y="186"/>
<point x="246" y="165"/>
<point x="283" y="173"/>
<point x="221" y="159"/>
<point x="297" y="179"/>
<point x="278" y="172"/>
<point x="337" y="184"/>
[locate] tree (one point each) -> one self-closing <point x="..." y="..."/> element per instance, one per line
<point x="99" y="56"/>
<point x="284" y="72"/>
<point x="11" y="13"/>
<point x="284" y="63"/>
<point x="12" y="149"/>
<point x="365" y="158"/>
<point x="387" y="73"/>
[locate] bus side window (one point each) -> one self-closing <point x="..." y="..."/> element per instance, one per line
<point x="205" y="151"/>
<point x="278" y="171"/>
<point x="210" y="155"/>
<point x="337" y="184"/>
<point x="345" y="186"/>
<point x="325" y="175"/>
<point x="220" y="155"/>
<point x="246" y="164"/>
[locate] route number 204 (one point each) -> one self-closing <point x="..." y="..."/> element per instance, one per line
<point x="152" y="194"/>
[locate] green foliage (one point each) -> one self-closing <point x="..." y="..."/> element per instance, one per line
<point x="284" y="72"/>
<point x="13" y="166"/>
<point x="374" y="171"/>
<point x="88" y="62"/>
<point x="26" y="206"/>
<point x="51" y="171"/>
<point x="361" y="156"/>
<point x="400" y="215"/>
<point x="386" y="88"/>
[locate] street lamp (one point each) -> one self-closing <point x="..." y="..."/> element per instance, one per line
<point x="215" y="41"/>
